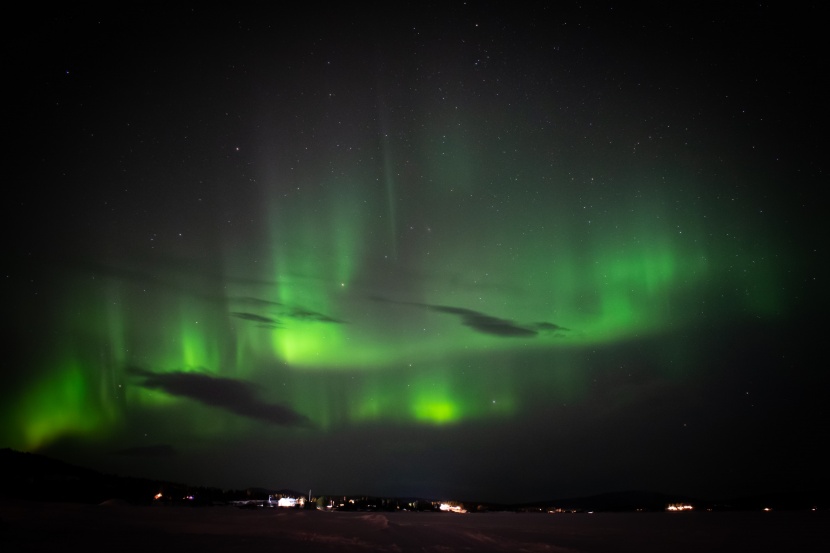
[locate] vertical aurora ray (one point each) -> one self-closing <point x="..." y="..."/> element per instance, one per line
<point x="389" y="180"/>
<point x="79" y="389"/>
<point x="630" y="268"/>
<point x="105" y="327"/>
<point x="62" y="403"/>
<point x="200" y="338"/>
<point x="315" y="261"/>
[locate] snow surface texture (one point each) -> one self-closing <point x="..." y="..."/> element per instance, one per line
<point x="116" y="527"/>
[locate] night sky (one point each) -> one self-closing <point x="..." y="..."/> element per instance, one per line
<point x="458" y="250"/>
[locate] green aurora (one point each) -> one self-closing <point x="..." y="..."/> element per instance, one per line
<point x="341" y="331"/>
<point x="423" y="257"/>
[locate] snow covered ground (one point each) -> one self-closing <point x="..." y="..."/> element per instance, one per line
<point x="29" y="526"/>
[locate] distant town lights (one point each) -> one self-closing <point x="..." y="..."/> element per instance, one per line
<point x="679" y="507"/>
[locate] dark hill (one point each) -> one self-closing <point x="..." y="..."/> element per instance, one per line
<point x="613" y="502"/>
<point x="36" y="477"/>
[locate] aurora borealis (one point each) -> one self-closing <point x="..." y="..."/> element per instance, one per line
<point x="447" y="251"/>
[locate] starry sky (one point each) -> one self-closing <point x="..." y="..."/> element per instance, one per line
<point x="454" y="250"/>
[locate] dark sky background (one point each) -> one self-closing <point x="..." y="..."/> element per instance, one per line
<point x="459" y="250"/>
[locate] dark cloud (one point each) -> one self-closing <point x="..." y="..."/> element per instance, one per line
<point x="159" y="450"/>
<point x="485" y="323"/>
<point x="481" y="322"/>
<point x="289" y="311"/>
<point x="306" y="315"/>
<point x="236" y="396"/>
<point x="255" y="318"/>
<point x="549" y="327"/>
